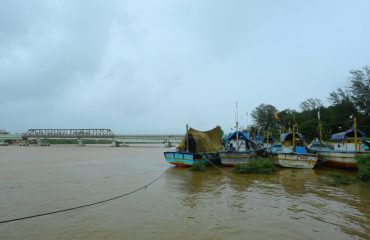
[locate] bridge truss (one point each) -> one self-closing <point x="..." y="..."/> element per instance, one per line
<point x="68" y="133"/>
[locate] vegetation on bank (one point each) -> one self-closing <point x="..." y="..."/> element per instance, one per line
<point x="363" y="164"/>
<point x="354" y="100"/>
<point x="260" y="165"/>
<point x="363" y="173"/>
<point x="198" y="167"/>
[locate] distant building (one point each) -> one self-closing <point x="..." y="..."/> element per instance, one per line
<point x="2" y="131"/>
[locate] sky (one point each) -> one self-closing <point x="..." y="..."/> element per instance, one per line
<point x="151" y="67"/>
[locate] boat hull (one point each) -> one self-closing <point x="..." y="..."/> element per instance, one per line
<point x="337" y="159"/>
<point x="185" y="159"/>
<point x="233" y="158"/>
<point x="292" y="160"/>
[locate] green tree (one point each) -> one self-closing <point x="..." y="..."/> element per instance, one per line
<point x="287" y="119"/>
<point x="263" y="116"/>
<point x="339" y="96"/>
<point x="360" y="89"/>
<point x="311" y="104"/>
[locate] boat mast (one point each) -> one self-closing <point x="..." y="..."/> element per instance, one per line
<point x="237" y="125"/>
<point x="355" y="129"/>
<point x="293" y="137"/>
<point x="187" y="138"/>
<point x="320" y="127"/>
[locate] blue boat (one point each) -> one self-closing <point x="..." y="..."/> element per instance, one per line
<point x="186" y="159"/>
<point x="205" y="144"/>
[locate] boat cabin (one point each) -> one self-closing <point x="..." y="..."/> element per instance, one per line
<point x="240" y="141"/>
<point x="345" y="141"/>
<point x="287" y="139"/>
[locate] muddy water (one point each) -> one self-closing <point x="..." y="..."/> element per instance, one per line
<point x="289" y="204"/>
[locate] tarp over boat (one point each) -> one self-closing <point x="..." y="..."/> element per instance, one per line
<point x="208" y="141"/>
<point x="349" y="133"/>
<point x="289" y="137"/>
<point x="241" y="135"/>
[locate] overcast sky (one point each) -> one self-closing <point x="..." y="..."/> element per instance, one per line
<point x="153" y="66"/>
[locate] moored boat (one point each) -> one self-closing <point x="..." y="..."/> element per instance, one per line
<point x="343" y="151"/>
<point x="187" y="159"/>
<point x="239" y="149"/>
<point x="293" y="153"/>
<point x="196" y="147"/>
<point x="297" y="160"/>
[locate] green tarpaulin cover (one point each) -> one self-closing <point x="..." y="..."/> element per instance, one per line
<point x="208" y="141"/>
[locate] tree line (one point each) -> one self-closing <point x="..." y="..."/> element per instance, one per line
<point x="345" y="103"/>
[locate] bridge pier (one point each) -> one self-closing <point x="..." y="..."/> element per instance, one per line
<point x="116" y="143"/>
<point x="80" y="143"/>
<point x="3" y="143"/>
<point x="24" y="143"/>
<point x="43" y="142"/>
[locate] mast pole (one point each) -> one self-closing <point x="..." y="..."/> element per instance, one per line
<point x="187" y="138"/>
<point x="293" y="144"/>
<point x="355" y="129"/>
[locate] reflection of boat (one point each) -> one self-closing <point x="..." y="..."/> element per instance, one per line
<point x="344" y="151"/>
<point x="239" y="149"/>
<point x="293" y="153"/>
<point x="202" y="148"/>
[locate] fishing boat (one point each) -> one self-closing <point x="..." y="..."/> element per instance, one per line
<point x="293" y="153"/>
<point x="344" y="148"/>
<point x="239" y="149"/>
<point x="343" y="151"/>
<point x="196" y="147"/>
<point x="273" y="151"/>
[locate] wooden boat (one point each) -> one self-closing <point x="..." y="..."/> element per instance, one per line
<point x="343" y="151"/>
<point x="297" y="160"/>
<point x="273" y="151"/>
<point x="239" y="149"/>
<point x="186" y="159"/>
<point x="293" y="153"/>
<point x="202" y="148"/>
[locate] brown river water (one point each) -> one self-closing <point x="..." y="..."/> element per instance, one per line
<point x="289" y="204"/>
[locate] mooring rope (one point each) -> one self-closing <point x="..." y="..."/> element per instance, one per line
<point x="204" y="156"/>
<point x="85" y="205"/>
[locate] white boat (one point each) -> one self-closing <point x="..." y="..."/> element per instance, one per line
<point x="295" y="160"/>
<point x="293" y="153"/>
<point x="343" y="151"/>
<point x="239" y="149"/>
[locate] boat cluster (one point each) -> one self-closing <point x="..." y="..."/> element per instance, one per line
<point x="291" y="150"/>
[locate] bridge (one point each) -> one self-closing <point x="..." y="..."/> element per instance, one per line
<point x="68" y="133"/>
<point x="42" y="136"/>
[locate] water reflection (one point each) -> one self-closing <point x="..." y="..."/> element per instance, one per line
<point x="195" y="186"/>
<point x="296" y="181"/>
<point x="294" y="195"/>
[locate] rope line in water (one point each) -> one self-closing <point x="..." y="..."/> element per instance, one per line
<point x="221" y="170"/>
<point x="86" y="205"/>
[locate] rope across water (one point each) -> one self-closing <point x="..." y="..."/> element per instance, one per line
<point x="85" y="205"/>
